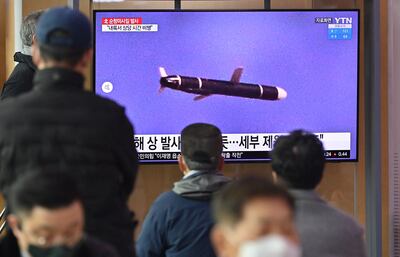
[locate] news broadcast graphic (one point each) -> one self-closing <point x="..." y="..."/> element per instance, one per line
<point x="256" y="75"/>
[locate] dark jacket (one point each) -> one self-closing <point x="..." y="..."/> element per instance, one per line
<point x="21" y="79"/>
<point x="89" y="247"/>
<point x="325" y="231"/>
<point x="59" y="127"/>
<point x="179" y="222"/>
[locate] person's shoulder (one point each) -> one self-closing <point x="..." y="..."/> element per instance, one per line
<point x="311" y="207"/>
<point x="97" y="248"/>
<point x="165" y="199"/>
<point x="101" y="101"/>
<point x="13" y="102"/>
<point x="22" y="102"/>
<point x="342" y="218"/>
<point x="22" y="69"/>
<point x="168" y="202"/>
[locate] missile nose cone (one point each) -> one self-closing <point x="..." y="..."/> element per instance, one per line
<point x="282" y="94"/>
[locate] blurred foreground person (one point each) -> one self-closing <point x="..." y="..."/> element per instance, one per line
<point x="47" y="220"/>
<point x="254" y="218"/>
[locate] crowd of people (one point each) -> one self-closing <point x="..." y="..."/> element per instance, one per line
<point x="68" y="165"/>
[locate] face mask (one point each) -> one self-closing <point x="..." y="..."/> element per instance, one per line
<point x="54" y="251"/>
<point x="270" y="246"/>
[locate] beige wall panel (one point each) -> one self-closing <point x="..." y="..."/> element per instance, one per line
<point x="343" y="4"/>
<point x="291" y="4"/>
<point x="34" y="5"/>
<point x="10" y="37"/>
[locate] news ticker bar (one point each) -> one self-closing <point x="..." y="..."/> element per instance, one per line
<point x="232" y="156"/>
<point x="260" y="142"/>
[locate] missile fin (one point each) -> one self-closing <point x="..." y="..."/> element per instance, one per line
<point x="235" y="79"/>
<point x="200" y="97"/>
<point x="163" y="72"/>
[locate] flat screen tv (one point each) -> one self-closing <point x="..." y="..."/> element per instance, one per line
<point x="254" y="74"/>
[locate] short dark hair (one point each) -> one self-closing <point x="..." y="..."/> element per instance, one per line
<point x="201" y="146"/>
<point x="50" y="190"/>
<point x="28" y="27"/>
<point x="229" y="202"/>
<point x="299" y="159"/>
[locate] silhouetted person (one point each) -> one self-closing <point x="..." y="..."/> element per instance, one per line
<point x="298" y="161"/>
<point x="21" y="79"/>
<point x="179" y="222"/>
<point x="60" y="127"/>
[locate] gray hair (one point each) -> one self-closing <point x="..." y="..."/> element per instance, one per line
<point x="28" y="27"/>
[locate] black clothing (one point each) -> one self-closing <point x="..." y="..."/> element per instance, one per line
<point x="59" y="127"/>
<point x="89" y="247"/>
<point x="21" y="79"/>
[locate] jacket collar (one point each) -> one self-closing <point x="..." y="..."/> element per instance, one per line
<point x="307" y="195"/>
<point x="24" y="58"/>
<point x="201" y="185"/>
<point x="59" y="79"/>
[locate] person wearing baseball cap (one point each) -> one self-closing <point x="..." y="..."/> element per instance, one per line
<point x="59" y="127"/>
<point x="179" y="222"/>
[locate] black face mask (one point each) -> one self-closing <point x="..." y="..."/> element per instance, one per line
<point x="53" y="251"/>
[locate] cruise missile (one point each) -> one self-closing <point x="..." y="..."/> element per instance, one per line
<point x="205" y="87"/>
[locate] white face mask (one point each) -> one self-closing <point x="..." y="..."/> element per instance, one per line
<point x="270" y="246"/>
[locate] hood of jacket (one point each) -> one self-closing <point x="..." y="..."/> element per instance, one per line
<point x="200" y="186"/>
<point x="23" y="58"/>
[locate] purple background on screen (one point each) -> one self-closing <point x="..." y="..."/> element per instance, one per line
<point x="286" y="49"/>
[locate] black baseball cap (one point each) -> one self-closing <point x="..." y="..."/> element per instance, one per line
<point x="64" y="27"/>
<point x="201" y="142"/>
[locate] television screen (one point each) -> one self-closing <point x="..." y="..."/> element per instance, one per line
<point x="254" y="74"/>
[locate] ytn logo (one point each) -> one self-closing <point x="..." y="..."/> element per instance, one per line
<point x="344" y="20"/>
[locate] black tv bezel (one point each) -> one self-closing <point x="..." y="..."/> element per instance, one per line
<point x="238" y="161"/>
